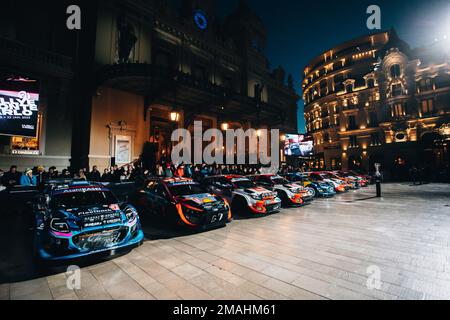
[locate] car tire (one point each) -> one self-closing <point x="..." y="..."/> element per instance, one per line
<point x="284" y="199"/>
<point x="238" y="206"/>
<point x="314" y="192"/>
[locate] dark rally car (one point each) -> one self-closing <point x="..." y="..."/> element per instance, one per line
<point x="78" y="219"/>
<point x="182" y="201"/>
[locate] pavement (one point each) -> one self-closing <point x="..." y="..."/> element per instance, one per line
<point x="354" y="246"/>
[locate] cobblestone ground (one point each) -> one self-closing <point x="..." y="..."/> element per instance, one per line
<point x="331" y="249"/>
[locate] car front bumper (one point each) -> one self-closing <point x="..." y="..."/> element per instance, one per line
<point x="69" y="251"/>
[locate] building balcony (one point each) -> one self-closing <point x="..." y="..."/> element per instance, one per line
<point x="171" y="87"/>
<point x="18" y="55"/>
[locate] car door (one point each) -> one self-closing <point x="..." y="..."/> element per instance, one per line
<point x="161" y="201"/>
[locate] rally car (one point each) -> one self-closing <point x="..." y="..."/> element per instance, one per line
<point x="182" y="202"/>
<point x="77" y="219"/>
<point x="317" y="188"/>
<point x="243" y="194"/>
<point x="350" y="181"/>
<point x="291" y="194"/>
<point x="363" y="180"/>
<point x="338" y="185"/>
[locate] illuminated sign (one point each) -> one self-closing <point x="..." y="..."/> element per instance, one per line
<point x="19" y="108"/>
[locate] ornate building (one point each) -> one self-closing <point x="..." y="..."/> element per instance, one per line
<point x="136" y="70"/>
<point x="161" y="66"/>
<point x="374" y="100"/>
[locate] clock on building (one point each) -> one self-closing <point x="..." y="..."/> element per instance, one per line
<point x="200" y="19"/>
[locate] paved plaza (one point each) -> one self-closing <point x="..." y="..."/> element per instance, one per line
<point x="331" y="249"/>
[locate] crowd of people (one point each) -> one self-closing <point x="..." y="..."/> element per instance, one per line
<point x="133" y="172"/>
<point x="38" y="176"/>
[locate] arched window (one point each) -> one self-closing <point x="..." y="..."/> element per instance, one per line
<point x="395" y="71"/>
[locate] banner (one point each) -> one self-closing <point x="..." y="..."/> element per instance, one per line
<point x="18" y="110"/>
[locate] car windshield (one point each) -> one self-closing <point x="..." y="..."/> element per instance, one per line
<point x="243" y="184"/>
<point x="80" y="199"/>
<point x="279" y="180"/>
<point x="185" y="189"/>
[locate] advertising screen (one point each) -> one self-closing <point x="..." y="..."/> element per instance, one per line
<point x="298" y="145"/>
<point x="19" y="107"/>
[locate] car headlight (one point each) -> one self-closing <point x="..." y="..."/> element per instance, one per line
<point x="131" y="214"/>
<point x="59" y="225"/>
<point x="257" y="196"/>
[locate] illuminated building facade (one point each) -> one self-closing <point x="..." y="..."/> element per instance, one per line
<point x="374" y="100"/>
<point x="135" y="71"/>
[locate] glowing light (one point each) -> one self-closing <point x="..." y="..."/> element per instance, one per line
<point x="224" y="126"/>
<point x="174" y="116"/>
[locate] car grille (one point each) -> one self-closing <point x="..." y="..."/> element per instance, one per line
<point x="100" y="239"/>
<point x="215" y="207"/>
<point x="273" y="207"/>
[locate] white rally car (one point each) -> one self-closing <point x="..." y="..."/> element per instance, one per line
<point x="291" y="194"/>
<point x="243" y="194"/>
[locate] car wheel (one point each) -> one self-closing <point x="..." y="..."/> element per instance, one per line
<point x="284" y="199"/>
<point x="313" y="191"/>
<point x="238" y="206"/>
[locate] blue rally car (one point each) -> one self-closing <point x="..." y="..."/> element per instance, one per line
<point x="78" y="219"/>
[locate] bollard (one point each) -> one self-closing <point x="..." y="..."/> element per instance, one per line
<point x="378" y="179"/>
<point x="378" y="184"/>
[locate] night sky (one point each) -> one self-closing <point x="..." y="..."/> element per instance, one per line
<point x="300" y="30"/>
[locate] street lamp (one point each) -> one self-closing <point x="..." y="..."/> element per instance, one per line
<point x="174" y="116"/>
<point x="225" y="126"/>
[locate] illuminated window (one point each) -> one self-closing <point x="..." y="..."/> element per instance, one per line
<point x="398" y="110"/>
<point x="425" y="85"/>
<point x="353" y="142"/>
<point x="427" y="107"/>
<point x="375" y="139"/>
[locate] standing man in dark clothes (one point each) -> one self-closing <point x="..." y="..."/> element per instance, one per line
<point x="11" y="178"/>
<point x="95" y="175"/>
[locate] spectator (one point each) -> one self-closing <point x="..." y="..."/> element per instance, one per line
<point x="116" y="173"/>
<point x="81" y="175"/>
<point x="159" y="170"/>
<point x="188" y="171"/>
<point x="11" y="178"/>
<point x="41" y="176"/>
<point x="107" y="177"/>
<point x="125" y="174"/>
<point x="52" y="173"/>
<point x="180" y="171"/>
<point x="95" y="175"/>
<point x="28" y="179"/>
<point x="167" y="171"/>
<point x="65" y="174"/>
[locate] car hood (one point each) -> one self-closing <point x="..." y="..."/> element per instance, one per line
<point x="202" y="201"/>
<point x="293" y="187"/>
<point x="90" y="216"/>
<point x="260" y="191"/>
